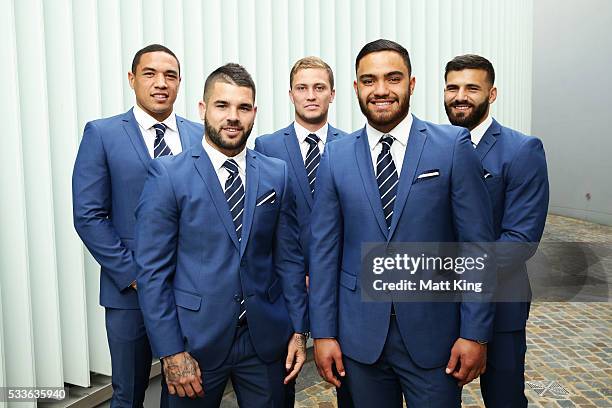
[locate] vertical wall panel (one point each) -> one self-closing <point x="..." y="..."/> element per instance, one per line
<point x="63" y="125"/>
<point x="265" y="79"/>
<point x="345" y="73"/>
<point x="281" y="66"/>
<point x="33" y="99"/>
<point x="70" y="60"/>
<point x="14" y="269"/>
<point x="194" y="58"/>
<point x="89" y="107"/>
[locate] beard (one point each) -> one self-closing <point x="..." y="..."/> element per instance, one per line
<point x="469" y="121"/>
<point x="232" y="145"/>
<point x="386" y="119"/>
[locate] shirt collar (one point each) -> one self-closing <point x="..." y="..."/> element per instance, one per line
<point x="217" y="158"/>
<point x="478" y="132"/>
<point x="400" y="133"/>
<point x="301" y="132"/>
<point x="146" y="121"/>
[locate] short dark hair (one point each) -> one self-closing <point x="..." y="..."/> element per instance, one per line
<point x="153" y="48"/>
<point x="231" y="73"/>
<point x="470" y="61"/>
<point x="384" y="45"/>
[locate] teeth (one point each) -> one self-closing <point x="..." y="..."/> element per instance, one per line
<point x="382" y="103"/>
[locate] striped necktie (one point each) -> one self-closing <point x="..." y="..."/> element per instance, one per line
<point x="234" y="194"/>
<point x="386" y="177"/>
<point x="161" y="148"/>
<point x="313" y="158"/>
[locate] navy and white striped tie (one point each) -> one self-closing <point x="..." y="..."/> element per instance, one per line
<point x="234" y="194"/>
<point x="161" y="148"/>
<point x="386" y="177"/>
<point x="313" y="158"/>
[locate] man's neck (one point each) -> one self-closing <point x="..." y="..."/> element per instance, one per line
<point x="311" y="127"/>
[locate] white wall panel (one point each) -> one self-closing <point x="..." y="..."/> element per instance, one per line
<point x="63" y="125"/>
<point x="14" y="269"/>
<point x="70" y="60"/>
<point x="35" y="134"/>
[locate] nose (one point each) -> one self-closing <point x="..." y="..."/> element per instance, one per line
<point x="461" y="95"/>
<point x="310" y="94"/>
<point x="160" y="80"/>
<point x="381" y="89"/>
<point x="232" y="114"/>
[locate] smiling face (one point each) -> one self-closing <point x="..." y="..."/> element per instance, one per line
<point x="383" y="87"/>
<point x="156" y="83"/>
<point x="229" y="115"/>
<point x="311" y="94"/>
<point x="467" y="96"/>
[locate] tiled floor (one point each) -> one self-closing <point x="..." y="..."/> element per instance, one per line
<point x="568" y="343"/>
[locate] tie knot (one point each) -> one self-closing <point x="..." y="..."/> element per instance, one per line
<point x="160" y="128"/>
<point x="231" y="166"/>
<point x="312" y="139"/>
<point x="387" y="141"/>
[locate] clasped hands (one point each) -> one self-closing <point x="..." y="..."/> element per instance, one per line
<point x="468" y="360"/>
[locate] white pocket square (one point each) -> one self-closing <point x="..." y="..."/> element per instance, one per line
<point x="267" y="198"/>
<point x="432" y="173"/>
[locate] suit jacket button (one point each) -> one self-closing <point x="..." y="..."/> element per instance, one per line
<point x="237" y="298"/>
<point x="243" y="263"/>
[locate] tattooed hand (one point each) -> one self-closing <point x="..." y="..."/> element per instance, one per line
<point x="183" y="375"/>
<point x="296" y="356"/>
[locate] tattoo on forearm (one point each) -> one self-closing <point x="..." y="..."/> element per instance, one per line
<point x="300" y="342"/>
<point x="179" y="366"/>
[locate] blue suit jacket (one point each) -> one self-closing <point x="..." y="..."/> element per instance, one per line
<point x="283" y="144"/>
<point x="109" y="173"/>
<point x="518" y="187"/>
<point x="348" y="212"/>
<point x="193" y="269"/>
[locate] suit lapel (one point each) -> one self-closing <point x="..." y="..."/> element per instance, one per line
<point x="295" y="157"/>
<point x="183" y="134"/>
<point x="366" y="169"/>
<point x="252" y="181"/>
<point x="332" y="134"/>
<point x="416" y="141"/>
<point x="130" y="126"/>
<point x="488" y="139"/>
<point x="208" y="174"/>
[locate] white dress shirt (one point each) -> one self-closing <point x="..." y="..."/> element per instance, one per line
<point x="146" y="122"/>
<point x="301" y="132"/>
<point x="398" y="149"/>
<point x="217" y="158"/>
<point x="478" y="132"/>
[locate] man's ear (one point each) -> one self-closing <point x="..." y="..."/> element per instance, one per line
<point x="131" y="78"/>
<point x="291" y="97"/>
<point x="412" y="84"/>
<point x="492" y="95"/>
<point x="202" y="109"/>
<point x="333" y="95"/>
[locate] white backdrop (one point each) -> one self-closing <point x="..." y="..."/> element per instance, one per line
<point x="65" y="62"/>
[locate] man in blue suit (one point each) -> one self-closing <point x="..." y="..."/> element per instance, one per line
<point x="399" y="179"/>
<point x="517" y="181"/>
<point x="221" y="280"/>
<point x="300" y="145"/>
<point x="109" y="174"/>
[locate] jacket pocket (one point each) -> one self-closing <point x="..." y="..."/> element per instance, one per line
<point x="347" y="280"/>
<point x="187" y="300"/>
